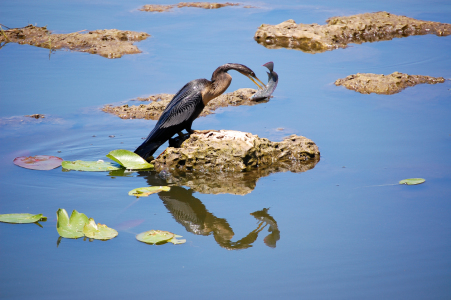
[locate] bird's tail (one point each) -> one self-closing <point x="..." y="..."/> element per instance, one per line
<point x="148" y="148"/>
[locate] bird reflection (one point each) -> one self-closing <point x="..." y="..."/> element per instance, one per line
<point x="190" y="212"/>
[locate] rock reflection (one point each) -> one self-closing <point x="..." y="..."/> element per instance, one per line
<point x="190" y="212"/>
<point x="237" y="183"/>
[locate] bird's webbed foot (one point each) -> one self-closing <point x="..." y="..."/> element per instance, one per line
<point x="177" y="141"/>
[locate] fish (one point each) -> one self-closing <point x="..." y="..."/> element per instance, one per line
<point x="273" y="78"/>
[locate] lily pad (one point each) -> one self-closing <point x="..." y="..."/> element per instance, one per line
<point x="70" y="228"/>
<point x="22" y="218"/>
<point x="129" y="159"/>
<point x="158" y="237"/>
<point x="90" y="166"/>
<point x="412" y="181"/>
<point x="98" y="231"/>
<point x="38" y="162"/>
<point x="146" y="191"/>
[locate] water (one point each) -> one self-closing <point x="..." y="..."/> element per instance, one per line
<point x="342" y="236"/>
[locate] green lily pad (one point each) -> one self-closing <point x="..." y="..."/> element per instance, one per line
<point x="412" y="181"/>
<point x="38" y="162"/>
<point x="158" y="237"/>
<point x="129" y="159"/>
<point x="98" y="231"/>
<point x="91" y="166"/>
<point x="146" y="191"/>
<point x="22" y="218"/>
<point x="176" y="241"/>
<point x="70" y="228"/>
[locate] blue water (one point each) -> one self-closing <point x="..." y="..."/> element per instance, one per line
<point x="345" y="231"/>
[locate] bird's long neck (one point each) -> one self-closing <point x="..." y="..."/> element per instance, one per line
<point x="220" y="81"/>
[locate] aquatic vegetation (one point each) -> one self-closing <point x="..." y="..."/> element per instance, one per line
<point x="159" y="237"/>
<point x="89" y="166"/>
<point x="38" y="162"/>
<point x="79" y="225"/>
<point x="98" y="231"/>
<point x="70" y="228"/>
<point x="146" y="191"/>
<point x="22" y="218"/>
<point x="129" y="160"/>
<point x="412" y="181"/>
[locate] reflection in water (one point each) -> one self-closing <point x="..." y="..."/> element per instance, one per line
<point x="190" y="212"/>
<point x="237" y="183"/>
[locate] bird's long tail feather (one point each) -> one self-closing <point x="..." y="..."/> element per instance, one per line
<point x="148" y="148"/>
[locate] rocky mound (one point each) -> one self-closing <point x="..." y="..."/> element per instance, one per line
<point x="340" y="31"/>
<point x="367" y="83"/>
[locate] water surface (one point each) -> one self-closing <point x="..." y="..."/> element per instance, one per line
<point x="342" y="236"/>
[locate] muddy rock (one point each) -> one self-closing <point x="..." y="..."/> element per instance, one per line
<point x="234" y="151"/>
<point x="205" y="5"/>
<point x="110" y="43"/>
<point x="158" y="103"/>
<point x="36" y="116"/>
<point x="340" y="31"/>
<point x="367" y="83"/>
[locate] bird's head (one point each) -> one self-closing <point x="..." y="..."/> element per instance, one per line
<point x="242" y="69"/>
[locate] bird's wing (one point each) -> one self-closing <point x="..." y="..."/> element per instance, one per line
<point x="183" y="105"/>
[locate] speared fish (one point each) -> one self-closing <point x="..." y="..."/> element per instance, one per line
<point x="273" y="78"/>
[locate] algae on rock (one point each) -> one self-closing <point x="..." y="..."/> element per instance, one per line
<point x="110" y="43"/>
<point x="340" y="31"/>
<point x="367" y="83"/>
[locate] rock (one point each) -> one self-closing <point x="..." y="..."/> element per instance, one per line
<point x="205" y="5"/>
<point x="110" y="43"/>
<point x="235" y="151"/>
<point x="340" y="31"/>
<point x="367" y="83"/>
<point x="227" y="161"/>
<point x="158" y="103"/>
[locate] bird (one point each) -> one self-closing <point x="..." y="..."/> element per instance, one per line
<point x="187" y="105"/>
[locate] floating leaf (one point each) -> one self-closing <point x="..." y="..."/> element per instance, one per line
<point x="129" y="159"/>
<point x="22" y="218"/>
<point x="91" y="166"/>
<point x="38" y="162"/>
<point x="146" y="191"/>
<point x="70" y="228"/>
<point x="412" y="181"/>
<point x="98" y="231"/>
<point x="158" y="237"/>
<point x="176" y="241"/>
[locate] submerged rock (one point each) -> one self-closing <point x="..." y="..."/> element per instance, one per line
<point x="340" y="31"/>
<point x="367" y="83"/>
<point x="205" y="5"/>
<point x="110" y="43"/>
<point x="158" y="103"/>
<point x="234" y="151"/>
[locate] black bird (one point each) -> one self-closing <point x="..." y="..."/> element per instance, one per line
<point x="187" y="105"/>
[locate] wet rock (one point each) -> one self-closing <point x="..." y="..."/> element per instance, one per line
<point x="205" y="5"/>
<point x="158" y="103"/>
<point x="36" y="116"/>
<point x="234" y="151"/>
<point x="110" y="43"/>
<point x="340" y="31"/>
<point x="367" y="83"/>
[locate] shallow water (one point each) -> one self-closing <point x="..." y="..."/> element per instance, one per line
<point x="345" y="232"/>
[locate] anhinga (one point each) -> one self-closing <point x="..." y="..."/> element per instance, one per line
<point x="187" y="105"/>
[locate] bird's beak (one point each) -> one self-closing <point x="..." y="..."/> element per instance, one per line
<point x="252" y="78"/>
